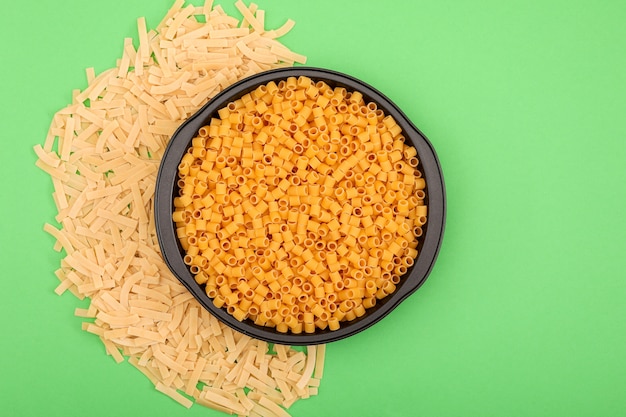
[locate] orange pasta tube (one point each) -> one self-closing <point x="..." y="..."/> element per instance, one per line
<point x="300" y="206"/>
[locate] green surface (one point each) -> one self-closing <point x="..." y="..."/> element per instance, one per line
<point x="524" y="313"/>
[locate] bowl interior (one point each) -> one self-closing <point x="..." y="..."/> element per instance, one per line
<point x="429" y="242"/>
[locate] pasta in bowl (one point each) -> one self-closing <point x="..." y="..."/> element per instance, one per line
<point x="300" y="206"/>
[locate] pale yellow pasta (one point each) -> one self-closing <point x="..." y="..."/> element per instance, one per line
<point x="312" y="199"/>
<point x="103" y="154"/>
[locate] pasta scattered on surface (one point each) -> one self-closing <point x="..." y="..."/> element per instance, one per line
<point x="299" y="206"/>
<point x="102" y="153"/>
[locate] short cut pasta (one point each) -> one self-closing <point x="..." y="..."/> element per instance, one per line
<point x="299" y="206"/>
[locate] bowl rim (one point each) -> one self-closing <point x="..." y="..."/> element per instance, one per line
<point x="411" y="281"/>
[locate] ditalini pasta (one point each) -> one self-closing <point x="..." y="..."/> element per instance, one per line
<point x="299" y="206"/>
<point x="102" y="153"/>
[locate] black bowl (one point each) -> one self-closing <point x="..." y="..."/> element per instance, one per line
<point x="167" y="189"/>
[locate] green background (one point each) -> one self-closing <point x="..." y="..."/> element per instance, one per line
<point x="524" y="313"/>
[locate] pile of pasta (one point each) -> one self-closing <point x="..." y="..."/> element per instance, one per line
<point x="300" y="205"/>
<point x="102" y="153"/>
